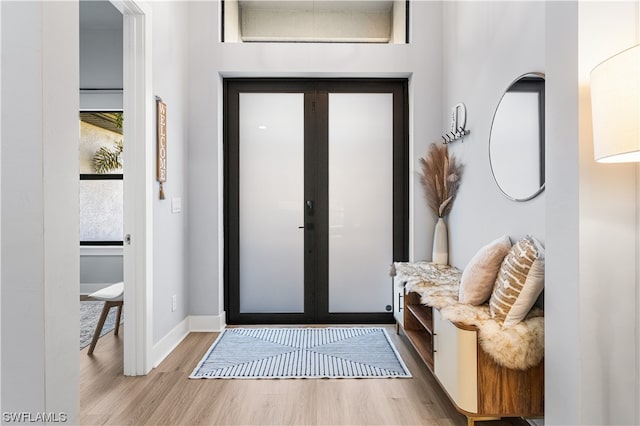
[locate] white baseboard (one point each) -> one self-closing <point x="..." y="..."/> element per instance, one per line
<point x="207" y="323"/>
<point x="170" y="341"/>
<point x="192" y="323"/>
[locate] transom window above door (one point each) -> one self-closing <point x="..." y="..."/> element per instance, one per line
<point x="311" y="21"/>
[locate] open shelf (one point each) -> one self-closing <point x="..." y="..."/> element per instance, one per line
<point x="424" y="315"/>
<point x="418" y="326"/>
<point x="422" y="342"/>
<point x="476" y="385"/>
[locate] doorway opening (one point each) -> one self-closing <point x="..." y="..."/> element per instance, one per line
<point x="101" y="144"/>
<point x="136" y="102"/>
<point x="316" y="198"/>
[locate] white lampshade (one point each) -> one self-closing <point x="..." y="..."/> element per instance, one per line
<point x="615" y="108"/>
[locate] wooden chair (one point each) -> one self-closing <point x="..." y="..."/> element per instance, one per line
<point x="113" y="296"/>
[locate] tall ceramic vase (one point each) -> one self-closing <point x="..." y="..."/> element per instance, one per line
<point x="441" y="243"/>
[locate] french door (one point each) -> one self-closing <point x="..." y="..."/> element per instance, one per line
<point x="316" y="199"/>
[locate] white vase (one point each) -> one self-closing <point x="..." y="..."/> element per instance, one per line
<point x="441" y="243"/>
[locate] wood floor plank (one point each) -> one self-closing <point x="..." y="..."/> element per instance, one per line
<point x="167" y="396"/>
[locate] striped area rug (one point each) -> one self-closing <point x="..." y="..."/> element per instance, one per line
<point x="270" y="353"/>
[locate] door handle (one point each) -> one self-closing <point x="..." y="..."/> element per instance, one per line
<point x="309" y="205"/>
<point x="308" y="226"/>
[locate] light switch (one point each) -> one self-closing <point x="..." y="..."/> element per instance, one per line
<point x="176" y="205"/>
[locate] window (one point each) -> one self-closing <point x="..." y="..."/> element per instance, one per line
<point x="101" y="185"/>
<point x="347" y="21"/>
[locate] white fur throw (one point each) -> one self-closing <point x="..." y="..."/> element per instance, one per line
<point x="518" y="347"/>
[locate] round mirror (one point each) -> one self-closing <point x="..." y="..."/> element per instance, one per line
<point x="516" y="142"/>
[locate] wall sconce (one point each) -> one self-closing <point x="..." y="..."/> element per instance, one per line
<point x="615" y="108"/>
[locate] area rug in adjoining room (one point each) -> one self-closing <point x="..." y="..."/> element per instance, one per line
<point x="270" y="353"/>
<point x="90" y="311"/>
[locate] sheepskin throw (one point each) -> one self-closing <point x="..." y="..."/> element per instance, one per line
<point x="518" y="347"/>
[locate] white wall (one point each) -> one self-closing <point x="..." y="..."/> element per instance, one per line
<point x="608" y="235"/>
<point x="101" y="38"/>
<point x="592" y="229"/>
<point x="39" y="221"/>
<point x="170" y="82"/>
<point x="99" y="267"/>
<point x="210" y="61"/>
<point x="486" y="45"/>
<point x="563" y="383"/>
<point x="101" y="58"/>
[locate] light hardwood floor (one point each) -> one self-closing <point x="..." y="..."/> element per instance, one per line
<point x="167" y="397"/>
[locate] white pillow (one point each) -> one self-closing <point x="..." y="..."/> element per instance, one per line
<point x="480" y="274"/>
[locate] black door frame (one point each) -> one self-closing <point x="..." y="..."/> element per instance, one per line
<point x="316" y="298"/>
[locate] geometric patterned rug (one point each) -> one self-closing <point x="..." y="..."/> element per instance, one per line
<point x="270" y="353"/>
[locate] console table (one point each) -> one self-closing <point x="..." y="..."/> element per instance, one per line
<point x="476" y="384"/>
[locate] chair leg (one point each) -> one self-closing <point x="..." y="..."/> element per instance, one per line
<point x="118" y="316"/>
<point x="103" y="318"/>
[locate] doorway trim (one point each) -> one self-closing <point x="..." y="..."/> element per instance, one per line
<point x="138" y="185"/>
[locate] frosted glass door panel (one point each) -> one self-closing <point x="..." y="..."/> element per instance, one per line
<point x="360" y="201"/>
<point x="271" y="202"/>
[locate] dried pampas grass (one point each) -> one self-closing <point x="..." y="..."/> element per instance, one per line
<point x="440" y="179"/>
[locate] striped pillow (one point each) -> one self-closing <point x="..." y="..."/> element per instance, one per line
<point x="519" y="283"/>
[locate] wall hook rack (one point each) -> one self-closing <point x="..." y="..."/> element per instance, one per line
<point x="458" y="123"/>
<point x="458" y="134"/>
